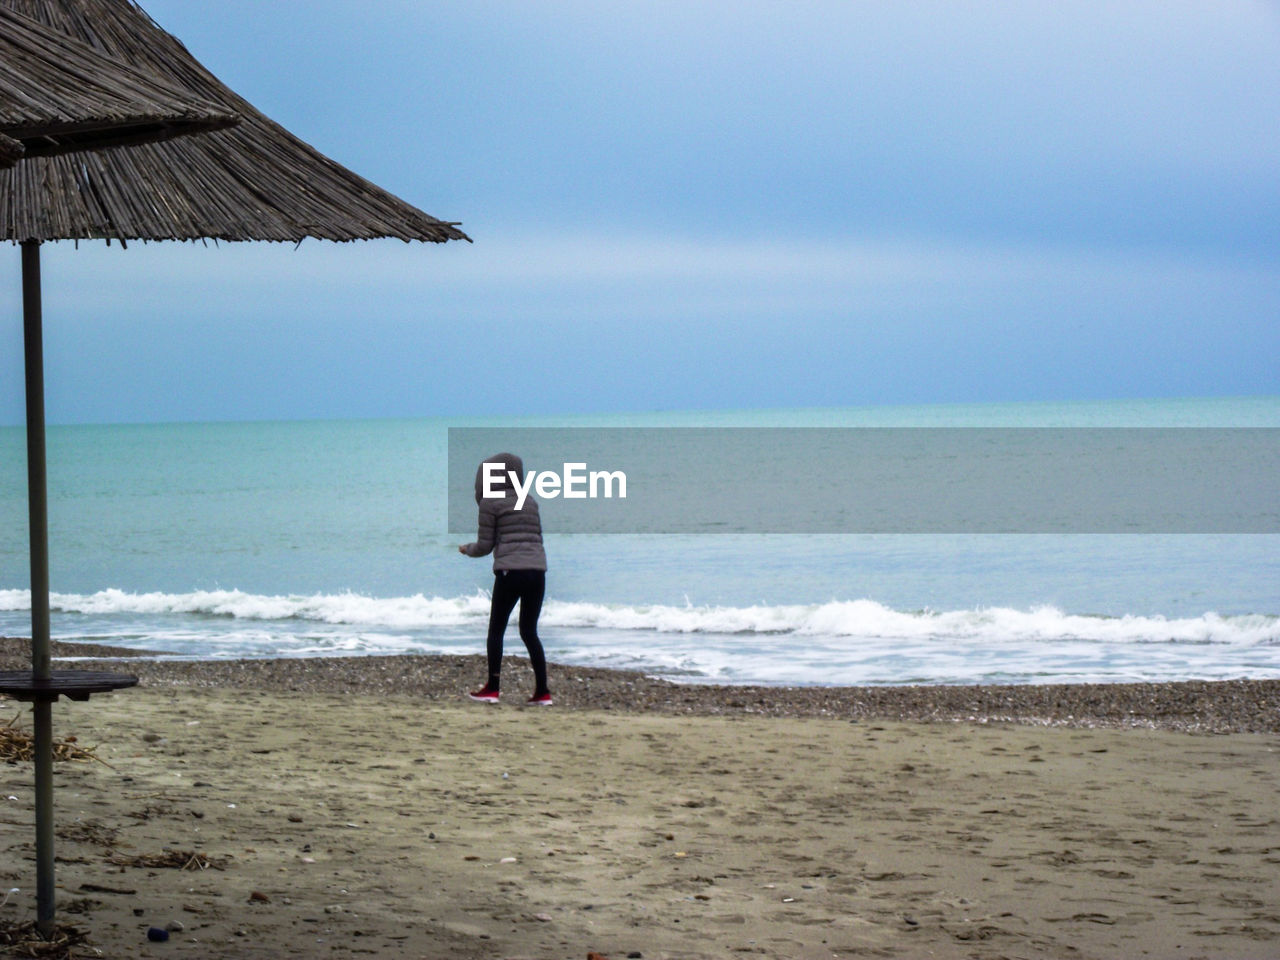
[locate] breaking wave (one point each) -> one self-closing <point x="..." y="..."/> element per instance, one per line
<point x="851" y="618"/>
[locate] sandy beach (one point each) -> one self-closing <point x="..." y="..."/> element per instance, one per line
<point x="362" y="807"/>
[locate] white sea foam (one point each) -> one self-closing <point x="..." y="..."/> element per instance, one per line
<point x="836" y="619"/>
<point x="868" y="618"/>
<point x="342" y="608"/>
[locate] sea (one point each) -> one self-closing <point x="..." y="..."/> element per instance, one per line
<point x="330" y="539"/>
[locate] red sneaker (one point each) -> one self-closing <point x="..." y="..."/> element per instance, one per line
<point x="539" y="700"/>
<point x="484" y="695"/>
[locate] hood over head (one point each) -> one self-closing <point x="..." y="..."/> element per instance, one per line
<point x="510" y="464"/>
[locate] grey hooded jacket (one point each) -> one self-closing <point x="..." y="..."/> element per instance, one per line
<point x="514" y="536"/>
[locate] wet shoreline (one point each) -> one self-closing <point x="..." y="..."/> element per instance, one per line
<point x="1196" y="706"/>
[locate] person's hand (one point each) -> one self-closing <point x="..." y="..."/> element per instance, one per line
<point x="462" y="549"/>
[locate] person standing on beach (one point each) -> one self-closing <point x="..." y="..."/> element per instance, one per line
<point x="514" y="536"/>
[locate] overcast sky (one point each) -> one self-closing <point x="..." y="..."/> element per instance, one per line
<point x="713" y="205"/>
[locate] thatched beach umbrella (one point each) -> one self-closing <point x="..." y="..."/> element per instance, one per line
<point x="58" y="95"/>
<point x="255" y="181"/>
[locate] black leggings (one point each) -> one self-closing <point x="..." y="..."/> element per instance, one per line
<point x="528" y="587"/>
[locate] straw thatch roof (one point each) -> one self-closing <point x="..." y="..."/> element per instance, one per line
<point x="255" y="181"/>
<point x="59" y="95"/>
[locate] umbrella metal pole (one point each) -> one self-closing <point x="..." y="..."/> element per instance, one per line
<point x="42" y="713"/>
<point x="37" y="498"/>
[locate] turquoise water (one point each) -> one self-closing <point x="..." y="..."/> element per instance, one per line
<point x="329" y="538"/>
